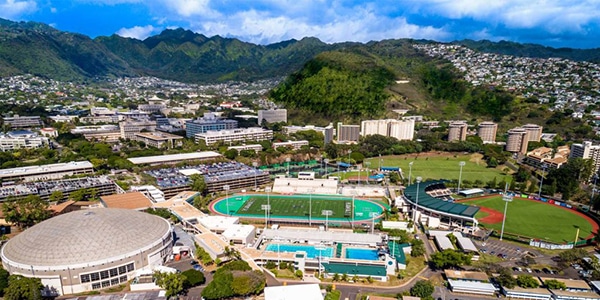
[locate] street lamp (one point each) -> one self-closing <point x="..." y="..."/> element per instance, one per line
<point x="419" y="178"/>
<point x="544" y="166"/>
<point x="410" y="164"/>
<point x="326" y="163"/>
<point x="226" y="189"/>
<point x="461" y="164"/>
<point x="326" y="213"/>
<point x="320" y="248"/>
<point x="268" y="190"/>
<point x="349" y="152"/>
<point x="266" y="208"/>
<point x="288" y="166"/>
<point x="368" y="163"/>
<point x="506" y="198"/>
<point x="255" y="164"/>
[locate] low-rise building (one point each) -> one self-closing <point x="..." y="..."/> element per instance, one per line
<point x="17" y="121"/>
<point x="254" y="147"/>
<point x="296" y="145"/>
<point x="235" y="135"/>
<point x="105" y="133"/>
<point x="545" y="156"/>
<point x="158" y="139"/>
<point x="272" y="116"/>
<point x="47" y="172"/>
<point x="22" y="139"/>
<point x="130" y="128"/>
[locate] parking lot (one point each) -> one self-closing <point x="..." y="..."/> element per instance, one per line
<point x="504" y="250"/>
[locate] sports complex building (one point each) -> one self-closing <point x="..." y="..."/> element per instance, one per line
<point x="435" y="207"/>
<point x="87" y="250"/>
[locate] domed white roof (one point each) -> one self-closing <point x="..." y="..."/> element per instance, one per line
<point x="85" y="236"/>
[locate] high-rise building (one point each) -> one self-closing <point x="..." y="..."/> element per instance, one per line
<point x="328" y="133"/>
<point x="457" y="131"/>
<point x="487" y="131"/>
<point x="272" y="115"/>
<point x="518" y="140"/>
<point x="535" y="132"/>
<point x="587" y="151"/>
<point x="400" y="129"/>
<point x="208" y="122"/>
<point x="347" y="133"/>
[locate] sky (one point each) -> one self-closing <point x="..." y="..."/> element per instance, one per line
<point x="555" y="23"/>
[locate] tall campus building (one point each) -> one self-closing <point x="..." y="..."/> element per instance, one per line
<point x="272" y="115"/>
<point x="535" y="132"/>
<point x="518" y="140"/>
<point x="399" y="129"/>
<point x="208" y="122"/>
<point x="457" y="131"/>
<point x="347" y="133"/>
<point x="487" y="131"/>
<point x="587" y="151"/>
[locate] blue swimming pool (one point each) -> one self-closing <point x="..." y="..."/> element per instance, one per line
<point x="364" y="254"/>
<point x="311" y="251"/>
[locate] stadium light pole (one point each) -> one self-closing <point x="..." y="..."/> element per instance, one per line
<point x="288" y="166"/>
<point x="410" y="164"/>
<point x="507" y="198"/>
<point x="310" y="191"/>
<point x="419" y="178"/>
<point x="593" y="190"/>
<point x="320" y="248"/>
<point x="461" y="164"/>
<point x="544" y="166"/>
<point x="326" y="213"/>
<point x="266" y="208"/>
<point x="255" y="164"/>
<point x="268" y="190"/>
<point x="226" y="189"/>
<point x="373" y="214"/>
<point x="368" y="163"/>
<point x="326" y="163"/>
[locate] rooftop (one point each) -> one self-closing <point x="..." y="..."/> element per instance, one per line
<point x="355" y="268"/>
<point x="60" y="167"/>
<point x="435" y="204"/>
<point x="134" y="200"/>
<point x="174" y="157"/>
<point x="294" y="292"/>
<point x="466" y="275"/>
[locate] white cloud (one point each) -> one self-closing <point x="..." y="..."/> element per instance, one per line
<point x="14" y="9"/>
<point x="259" y="27"/>
<point x="137" y="32"/>
<point x="189" y="8"/>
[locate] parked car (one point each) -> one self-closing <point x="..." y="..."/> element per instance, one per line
<point x="529" y="270"/>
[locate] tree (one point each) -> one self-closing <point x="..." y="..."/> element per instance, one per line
<point x="554" y="284"/>
<point x="505" y="278"/>
<point x="336" y="277"/>
<point x="527" y="281"/>
<point x="198" y="183"/>
<point x="417" y="248"/>
<point x="572" y="255"/>
<point x="344" y="277"/>
<point x="56" y="196"/>
<point x="78" y="195"/>
<point x="193" y="278"/>
<point x="423" y="289"/>
<point x="172" y="283"/>
<point x="26" y="212"/>
<point x="4" y="275"/>
<point x="23" y="288"/>
<point x="449" y="258"/>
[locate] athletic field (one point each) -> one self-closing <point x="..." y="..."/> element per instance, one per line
<point x="298" y="206"/>
<point x="534" y="219"/>
<point x="442" y="166"/>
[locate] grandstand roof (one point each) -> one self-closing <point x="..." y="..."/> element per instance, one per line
<point x="354" y="268"/>
<point x="435" y="204"/>
<point x="471" y="192"/>
<point x="173" y="157"/>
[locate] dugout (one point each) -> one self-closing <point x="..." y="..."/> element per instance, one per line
<point x="471" y="192"/>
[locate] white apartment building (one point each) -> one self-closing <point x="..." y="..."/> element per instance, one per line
<point x="399" y="129"/>
<point x="255" y="147"/>
<point x="130" y="128"/>
<point x="272" y="115"/>
<point x="487" y="131"/>
<point x="235" y="135"/>
<point x="587" y="151"/>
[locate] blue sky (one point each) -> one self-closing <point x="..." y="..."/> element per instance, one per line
<point x="556" y="23"/>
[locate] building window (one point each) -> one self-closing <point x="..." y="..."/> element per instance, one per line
<point x="130" y="267"/>
<point x="113" y="272"/>
<point x="122" y="269"/>
<point x="114" y="281"/>
<point x="123" y="279"/>
<point x="96" y="286"/>
<point x="95" y="276"/>
<point x="85" y="278"/>
<point x="104" y="274"/>
<point x="105" y="283"/>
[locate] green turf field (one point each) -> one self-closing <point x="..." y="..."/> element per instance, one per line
<point x="444" y="166"/>
<point x="297" y="206"/>
<point x="536" y="219"/>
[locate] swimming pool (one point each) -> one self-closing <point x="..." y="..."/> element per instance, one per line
<point x="363" y="254"/>
<point x="311" y="251"/>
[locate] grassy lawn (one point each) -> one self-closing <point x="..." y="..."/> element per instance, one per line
<point x="537" y="219"/>
<point x="333" y="295"/>
<point x="442" y="166"/>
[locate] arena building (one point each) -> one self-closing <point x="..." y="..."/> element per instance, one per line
<point x="89" y="250"/>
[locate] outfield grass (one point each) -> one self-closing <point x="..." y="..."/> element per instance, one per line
<point x="537" y="219"/>
<point x="442" y="166"/>
<point x="297" y="206"/>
